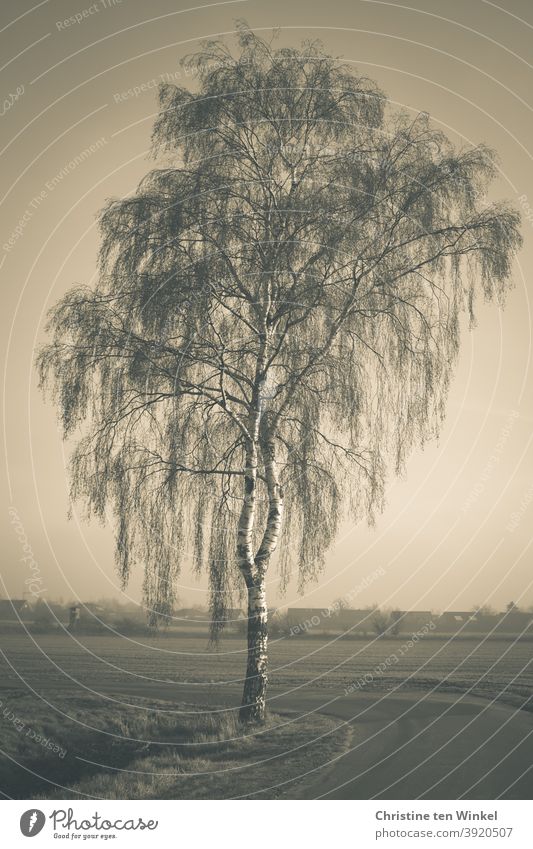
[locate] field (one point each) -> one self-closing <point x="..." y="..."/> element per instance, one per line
<point x="62" y="663"/>
<point x="134" y="717"/>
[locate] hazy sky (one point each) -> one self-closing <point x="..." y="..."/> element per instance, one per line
<point x="456" y="531"/>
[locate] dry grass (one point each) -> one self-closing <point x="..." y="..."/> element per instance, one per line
<point x="156" y="750"/>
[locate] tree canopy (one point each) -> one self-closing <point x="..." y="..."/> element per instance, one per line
<point x="277" y="315"/>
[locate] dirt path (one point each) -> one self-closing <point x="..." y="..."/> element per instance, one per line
<point x="404" y="746"/>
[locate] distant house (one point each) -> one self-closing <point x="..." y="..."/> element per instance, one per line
<point x="13" y="609"/>
<point x="303" y="619"/>
<point x="411" y="621"/>
<point x="464" y="621"/>
<point x="515" y="622"/>
<point x="354" y="621"/>
<point x="453" y="620"/>
<point x="317" y="619"/>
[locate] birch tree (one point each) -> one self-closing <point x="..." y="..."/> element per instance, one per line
<point x="275" y="323"/>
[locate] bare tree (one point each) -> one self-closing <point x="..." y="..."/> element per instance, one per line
<point x="275" y="323"/>
<point x="484" y="610"/>
<point x="380" y="623"/>
<point x="395" y="622"/>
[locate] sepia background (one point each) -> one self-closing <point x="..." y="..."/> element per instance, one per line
<point x="456" y="530"/>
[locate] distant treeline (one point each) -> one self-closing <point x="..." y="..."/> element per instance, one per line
<point x="110" y="616"/>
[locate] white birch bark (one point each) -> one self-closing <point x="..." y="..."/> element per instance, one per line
<point x="254" y="696"/>
<point x="253" y="708"/>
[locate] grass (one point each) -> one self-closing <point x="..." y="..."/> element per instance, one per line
<point x="91" y="747"/>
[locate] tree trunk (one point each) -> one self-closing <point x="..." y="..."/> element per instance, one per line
<point x="253" y="707"/>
